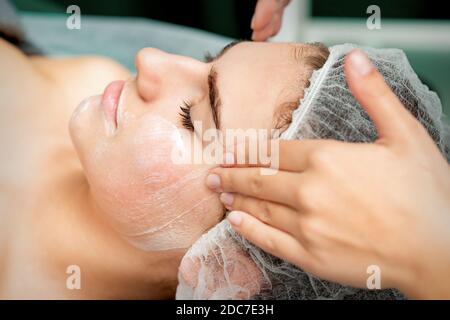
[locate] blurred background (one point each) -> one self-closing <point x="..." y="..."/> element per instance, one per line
<point x="119" y="28"/>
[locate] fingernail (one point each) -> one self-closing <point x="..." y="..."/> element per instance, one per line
<point x="227" y="199"/>
<point x="360" y="63"/>
<point x="235" y="218"/>
<point x="213" y="181"/>
<point x="228" y="158"/>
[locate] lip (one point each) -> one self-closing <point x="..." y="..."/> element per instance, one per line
<point x="110" y="100"/>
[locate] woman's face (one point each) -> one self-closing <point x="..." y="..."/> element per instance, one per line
<point x="125" y="137"/>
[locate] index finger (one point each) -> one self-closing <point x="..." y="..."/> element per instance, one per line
<point x="287" y="155"/>
<point x="280" y="187"/>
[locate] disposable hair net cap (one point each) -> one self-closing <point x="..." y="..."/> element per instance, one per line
<point x="223" y="265"/>
<point x="329" y="110"/>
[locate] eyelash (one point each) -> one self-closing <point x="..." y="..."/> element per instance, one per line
<point x="185" y="114"/>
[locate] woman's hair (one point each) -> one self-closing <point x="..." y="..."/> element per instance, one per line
<point x="12" y="31"/>
<point x="312" y="57"/>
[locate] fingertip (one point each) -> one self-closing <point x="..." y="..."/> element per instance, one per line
<point x="366" y="83"/>
<point x="359" y="63"/>
<point x="263" y="14"/>
<point x="371" y="90"/>
<point x="258" y="36"/>
<point x="227" y="199"/>
<point x="235" y="218"/>
<point x="213" y="181"/>
<point x="252" y="23"/>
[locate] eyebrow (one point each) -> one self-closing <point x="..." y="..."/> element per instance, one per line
<point x="211" y="58"/>
<point x="213" y="90"/>
<point x="214" y="97"/>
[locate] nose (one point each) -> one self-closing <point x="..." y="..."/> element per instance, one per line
<point x="160" y="73"/>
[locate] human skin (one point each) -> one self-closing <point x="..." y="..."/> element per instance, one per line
<point x="123" y="163"/>
<point x="267" y="19"/>
<point x="65" y="202"/>
<point x="395" y="215"/>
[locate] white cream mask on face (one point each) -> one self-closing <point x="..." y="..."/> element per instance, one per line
<point x="154" y="202"/>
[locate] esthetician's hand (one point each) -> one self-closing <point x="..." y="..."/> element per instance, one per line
<point x="336" y="208"/>
<point x="266" y="21"/>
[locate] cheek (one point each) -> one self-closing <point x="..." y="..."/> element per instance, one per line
<point x="138" y="161"/>
<point x="154" y="202"/>
<point x="152" y="149"/>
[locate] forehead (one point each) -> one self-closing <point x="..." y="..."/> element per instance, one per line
<point x="254" y="79"/>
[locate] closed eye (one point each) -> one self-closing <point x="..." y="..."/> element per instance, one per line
<point x="185" y="113"/>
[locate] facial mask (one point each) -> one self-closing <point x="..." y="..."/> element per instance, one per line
<point x="157" y="203"/>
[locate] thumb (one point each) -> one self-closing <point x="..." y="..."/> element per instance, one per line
<point x="367" y="85"/>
